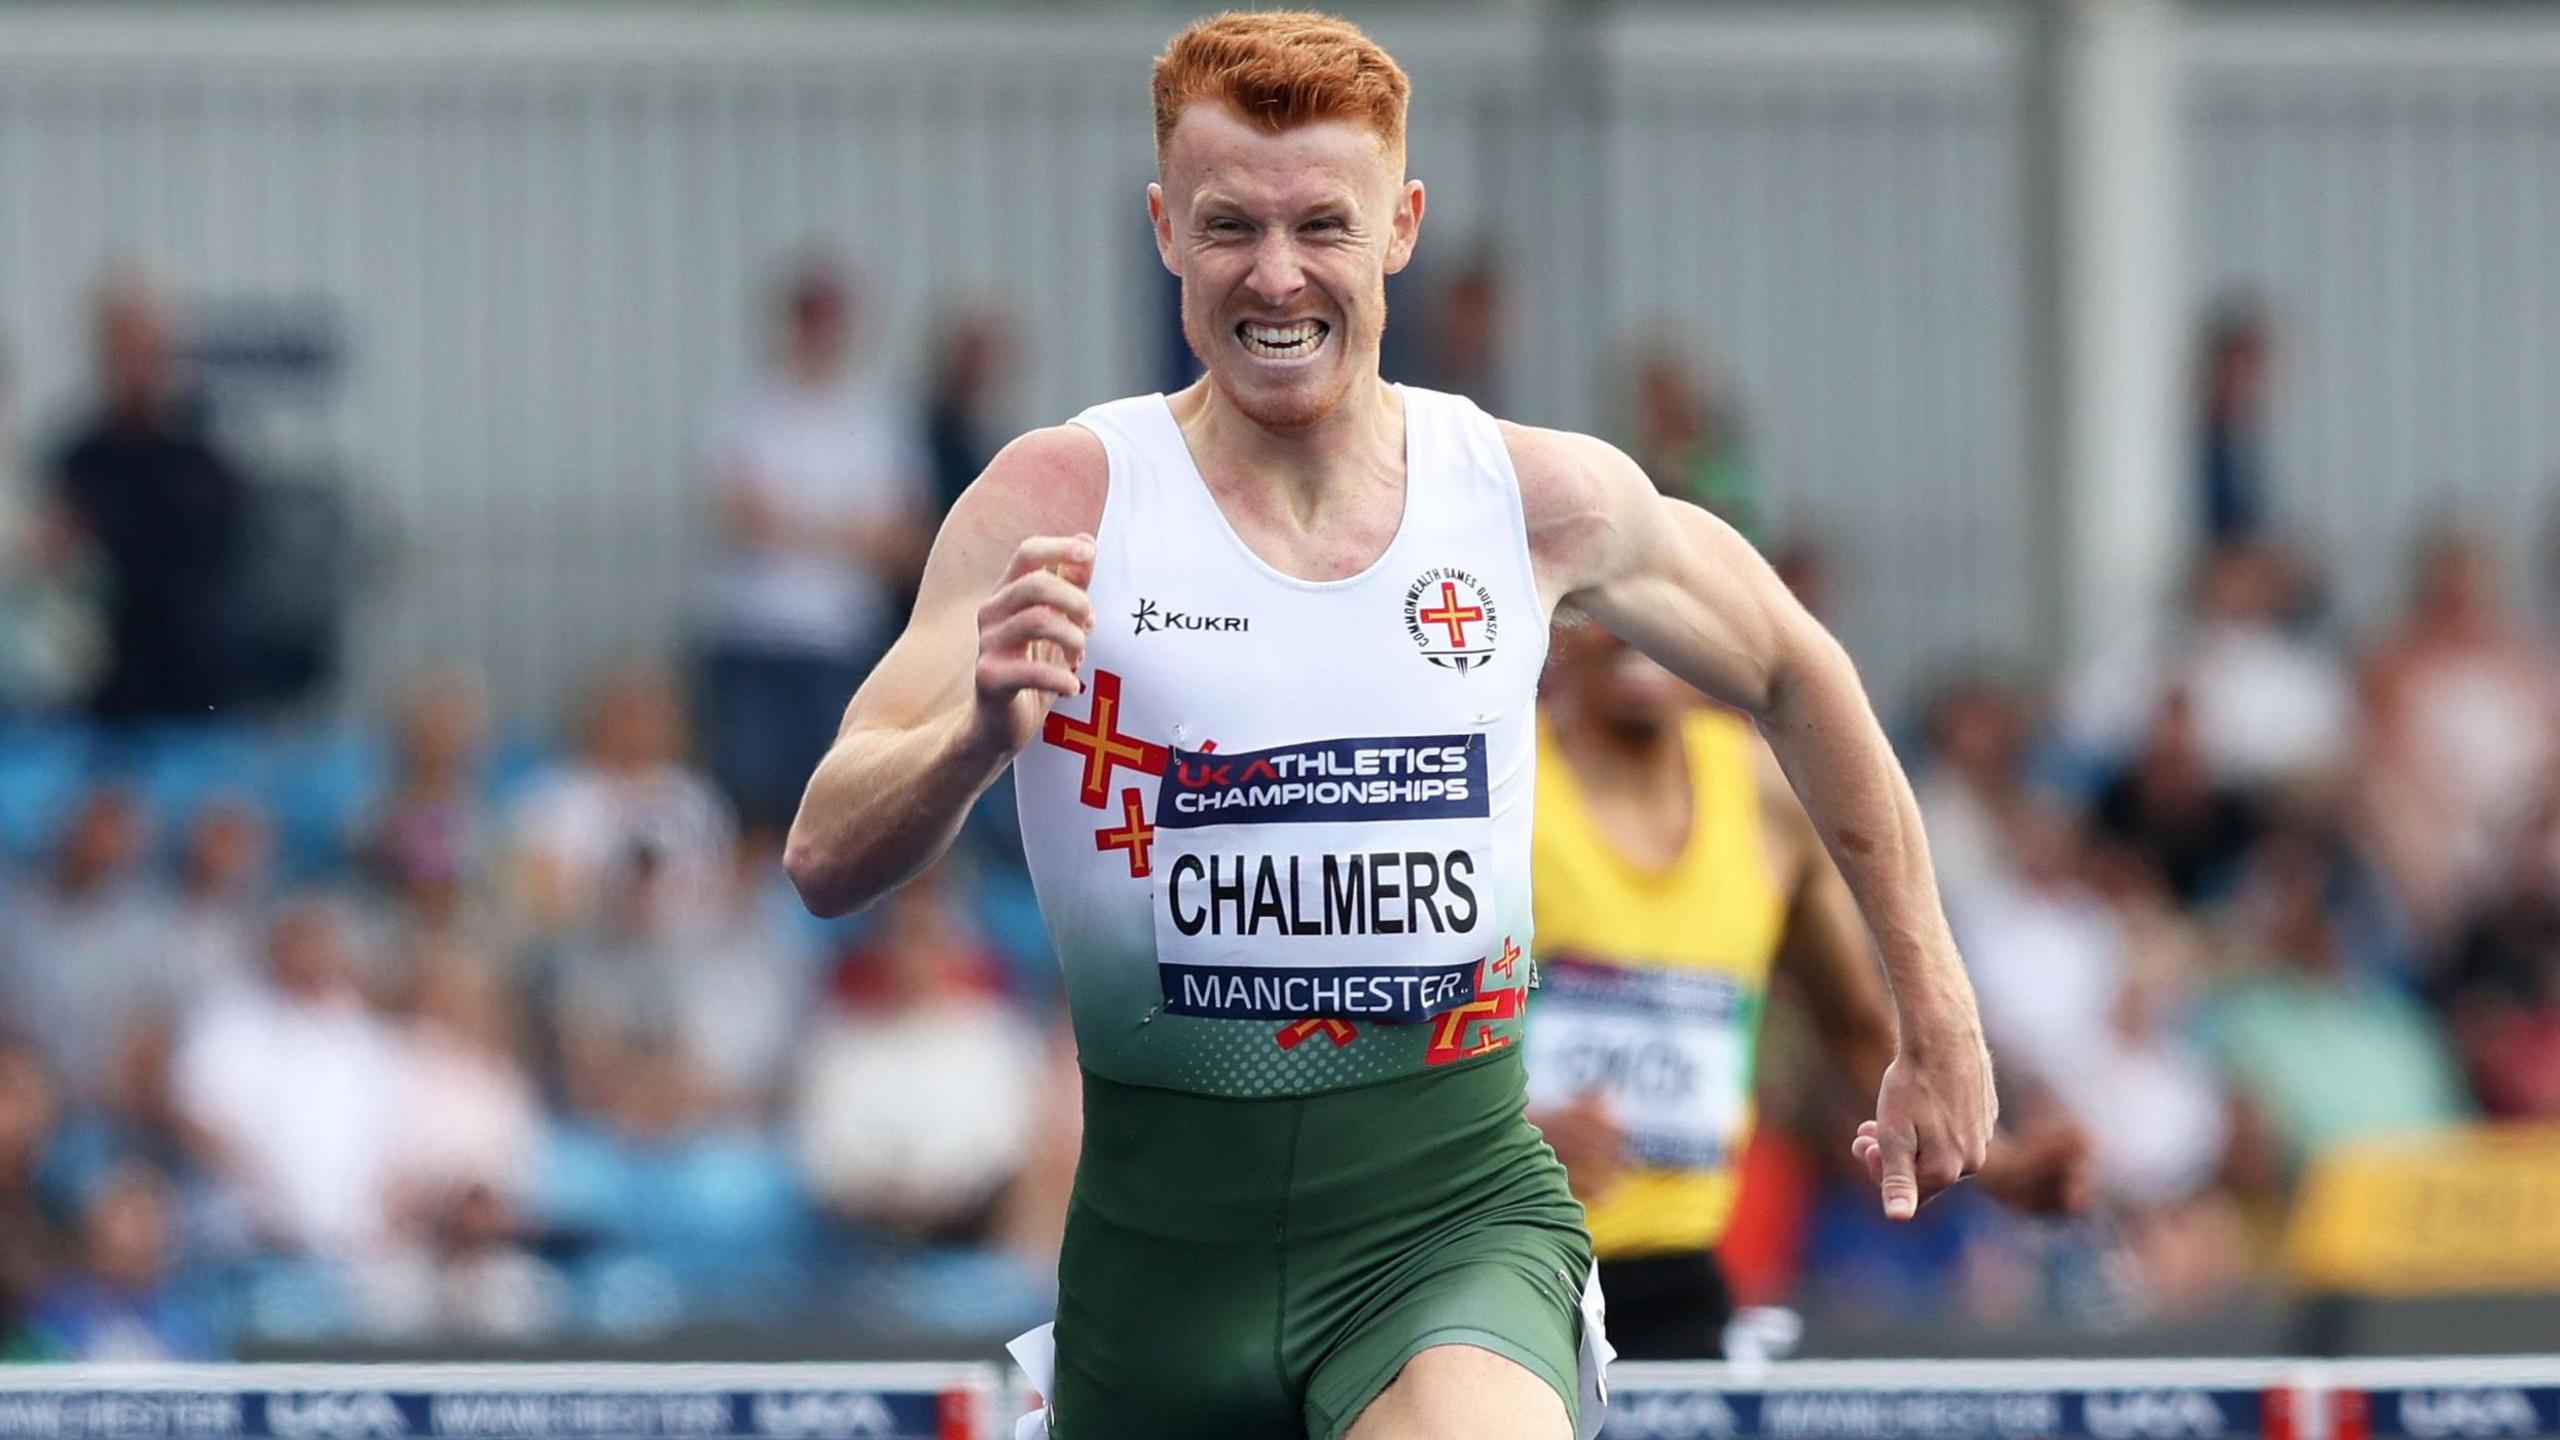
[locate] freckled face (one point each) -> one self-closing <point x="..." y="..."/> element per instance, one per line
<point x="1284" y="244"/>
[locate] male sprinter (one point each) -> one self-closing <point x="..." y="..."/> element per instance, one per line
<point x="1264" y="655"/>
<point x="1672" y="868"/>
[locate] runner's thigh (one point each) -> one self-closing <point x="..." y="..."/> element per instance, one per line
<point x="1459" y="1392"/>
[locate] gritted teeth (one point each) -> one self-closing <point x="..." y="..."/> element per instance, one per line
<point x="1281" y="341"/>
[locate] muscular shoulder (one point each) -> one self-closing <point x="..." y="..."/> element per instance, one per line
<point x="1045" y="482"/>
<point x="1050" y="481"/>
<point x="1581" y="498"/>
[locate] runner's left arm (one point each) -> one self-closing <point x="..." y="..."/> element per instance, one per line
<point x="1684" y="588"/>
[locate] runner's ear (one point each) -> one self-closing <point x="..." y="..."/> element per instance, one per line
<point x="1405" y="229"/>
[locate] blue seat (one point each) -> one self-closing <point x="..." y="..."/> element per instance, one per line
<point x="323" y="786"/>
<point x="44" y="766"/>
<point x="517" y="762"/>
<point x="708" y="1226"/>
<point x="1010" y="910"/>
<point x="179" y="769"/>
<point x="296" y="1300"/>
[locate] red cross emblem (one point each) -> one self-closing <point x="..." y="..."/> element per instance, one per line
<point x="1296" y="1032"/>
<point x="1452" y="614"/>
<point x="1468" y="1030"/>
<point x="1135" y="835"/>
<point x="1510" y="956"/>
<point x="1098" y="739"/>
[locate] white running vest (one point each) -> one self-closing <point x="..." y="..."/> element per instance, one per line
<point x="1282" y="838"/>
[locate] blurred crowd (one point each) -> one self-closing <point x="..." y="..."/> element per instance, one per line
<point x="496" y="1043"/>
<point x="428" y="1030"/>
<point x="2233" y="895"/>
<point x="423" y="1029"/>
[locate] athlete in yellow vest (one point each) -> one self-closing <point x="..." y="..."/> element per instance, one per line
<point x="1671" y="869"/>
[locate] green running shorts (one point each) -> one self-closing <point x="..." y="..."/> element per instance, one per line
<point x="1260" y="1269"/>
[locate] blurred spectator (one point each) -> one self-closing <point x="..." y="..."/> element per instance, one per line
<point x="2168" y="809"/>
<point x="1957" y="1260"/>
<point x="960" y="435"/>
<point x="51" y="641"/>
<point x="468" y="1133"/>
<point x="2501" y="989"/>
<point x="2320" y="1051"/>
<point x="1960" y="1258"/>
<point x="166" y="510"/>
<point x="726" y="990"/>
<point x="2047" y="952"/>
<point x="85" y="959"/>
<point x="822" y="499"/>
<point x="215" y="930"/>
<point x="430" y="843"/>
<point x="2087" y="971"/>
<point x="749" y="985"/>
<point x="2271" y="706"/>
<point x="467" y="1115"/>
<point x="1687" y="442"/>
<point x="2545" y="563"/>
<point x="668" y="1198"/>
<point x="1804" y="562"/>
<point x="628" y="791"/>
<point x="1457" y="346"/>
<point x="118" y="1303"/>
<point x="619" y="989"/>
<point x="2149" y="1095"/>
<point x="291" y="1087"/>
<point x="916" y="1096"/>
<point x="2463" y="731"/>
<point x="1031" y="1225"/>
<point x="27" y="1113"/>
<point x="1970" y="785"/>
<point x="2231" y="420"/>
<point x="468" y="1275"/>
<point x="2156" y="1109"/>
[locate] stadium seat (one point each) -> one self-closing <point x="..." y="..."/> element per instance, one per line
<point x="323" y="786"/>
<point x="179" y="769"/>
<point x="44" y="765"/>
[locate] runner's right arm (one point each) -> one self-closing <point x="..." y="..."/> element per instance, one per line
<point x="1684" y="588"/>
<point x="997" y="635"/>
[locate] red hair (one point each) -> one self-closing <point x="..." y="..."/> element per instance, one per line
<point x="1281" y="68"/>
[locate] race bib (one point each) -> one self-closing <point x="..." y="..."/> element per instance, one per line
<point x="1666" y="1047"/>
<point x="1348" y="878"/>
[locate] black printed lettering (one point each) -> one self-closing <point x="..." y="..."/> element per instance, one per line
<point x="1187" y="924"/>
<point x="1458" y="864"/>
<point x="1300" y="921"/>
<point x="1346" y="905"/>
<point x="1223" y="894"/>
<point x="1421" y="891"/>
<point x="1383" y="887"/>
<point x="1266" y="900"/>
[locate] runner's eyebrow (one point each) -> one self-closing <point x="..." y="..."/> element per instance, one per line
<point x="1329" y="202"/>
